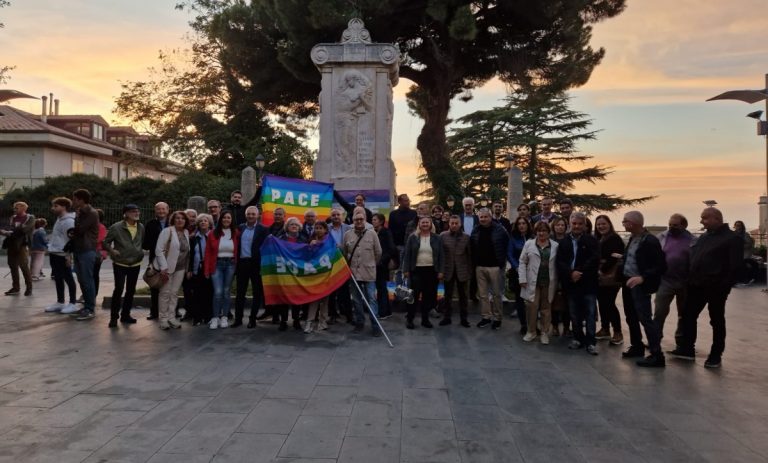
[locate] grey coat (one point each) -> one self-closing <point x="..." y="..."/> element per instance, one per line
<point x="457" y="256"/>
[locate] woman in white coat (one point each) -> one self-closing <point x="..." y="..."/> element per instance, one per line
<point x="538" y="280"/>
<point x="172" y="259"/>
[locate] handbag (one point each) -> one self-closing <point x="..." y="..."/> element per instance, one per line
<point x="611" y="278"/>
<point x="152" y="275"/>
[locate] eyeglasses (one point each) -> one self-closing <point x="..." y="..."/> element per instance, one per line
<point x="358" y="220"/>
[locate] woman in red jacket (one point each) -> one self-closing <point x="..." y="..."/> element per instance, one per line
<point x="221" y="251"/>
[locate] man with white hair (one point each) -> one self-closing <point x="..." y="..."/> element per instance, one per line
<point x="716" y="258"/>
<point x="248" y="270"/>
<point x="468" y="217"/>
<point x="644" y="265"/>
<point x="363" y="250"/>
<point x="310" y="217"/>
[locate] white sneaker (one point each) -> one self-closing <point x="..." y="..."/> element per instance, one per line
<point x="214" y="323"/>
<point x="174" y="323"/>
<point x="55" y="307"/>
<point x="544" y="338"/>
<point x="529" y="337"/>
<point x="223" y="322"/>
<point x="70" y="308"/>
<point x="308" y="327"/>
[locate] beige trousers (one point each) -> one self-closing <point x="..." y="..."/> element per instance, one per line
<point x="320" y="306"/>
<point x="166" y="304"/>
<point x="541" y="304"/>
<point x="488" y="281"/>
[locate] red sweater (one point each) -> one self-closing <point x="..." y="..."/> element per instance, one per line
<point x="212" y="251"/>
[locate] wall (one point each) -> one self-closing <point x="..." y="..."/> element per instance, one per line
<point x="21" y="166"/>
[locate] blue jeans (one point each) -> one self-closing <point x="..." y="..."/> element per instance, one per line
<point x="222" y="285"/>
<point x="84" y="266"/>
<point x="369" y="289"/>
<point x="583" y="308"/>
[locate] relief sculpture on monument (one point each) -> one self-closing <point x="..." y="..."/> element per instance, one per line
<point x="354" y="100"/>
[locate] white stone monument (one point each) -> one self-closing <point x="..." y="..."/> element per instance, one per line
<point x="356" y="111"/>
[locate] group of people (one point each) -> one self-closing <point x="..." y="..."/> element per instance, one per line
<point x="561" y="272"/>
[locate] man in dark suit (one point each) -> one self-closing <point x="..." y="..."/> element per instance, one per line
<point x="252" y="236"/>
<point x="578" y="259"/>
<point x="349" y="208"/>
<point x="236" y="207"/>
<point x="151" y="232"/>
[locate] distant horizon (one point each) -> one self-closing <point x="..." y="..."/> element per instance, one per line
<point x="647" y="97"/>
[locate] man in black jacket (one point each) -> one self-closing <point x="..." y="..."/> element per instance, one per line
<point x="399" y="219"/>
<point x="236" y="207"/>
<point x="578" y="259"/>
<point x="644" y="264"/>
<point x="151" y="232"/>
<point x="252" y="236"/>
<point x="488" y="244"/>
<point x="350" y="208"/>
<point x="716" y="258"/>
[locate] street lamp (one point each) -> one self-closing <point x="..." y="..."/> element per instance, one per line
<point x="449" y="201"/>
<point x="483" y="201"/>
<point x="260" y="162"/>
<point x="753" y="96"/>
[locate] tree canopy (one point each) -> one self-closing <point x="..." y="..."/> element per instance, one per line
<point x="541" y="134"/>
<point x="4" y="69"/>
<point x="449" y="47"/>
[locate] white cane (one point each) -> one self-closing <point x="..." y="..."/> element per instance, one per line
<point x="373" y="315"/>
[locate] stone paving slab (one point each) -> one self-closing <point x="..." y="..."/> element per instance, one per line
<point x="79" y="392"/>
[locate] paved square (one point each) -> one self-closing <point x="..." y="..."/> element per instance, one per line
<point x="79" y="392"/>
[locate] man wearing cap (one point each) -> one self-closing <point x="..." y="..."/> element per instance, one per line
<point x="123" y="243"/>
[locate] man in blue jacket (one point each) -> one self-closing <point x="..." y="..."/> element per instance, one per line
<point x="644" y="264"/>
<point x="252" y="236"/>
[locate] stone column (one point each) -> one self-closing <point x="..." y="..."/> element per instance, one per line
<point x="514" y="192"/>
<point x="248" y="183"/>
<point x="356" y="111"/>
<point x="198" y="203"/>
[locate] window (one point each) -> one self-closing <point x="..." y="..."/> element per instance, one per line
<point x="98" y="132"/>
<point x="108" y="173"/>
<point x="77" y="166"/>
<point x="130" y="143"/>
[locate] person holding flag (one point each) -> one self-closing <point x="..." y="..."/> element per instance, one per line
<point x="363" y="251"/>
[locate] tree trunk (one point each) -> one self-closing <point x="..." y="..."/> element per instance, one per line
<point x="431" y="143"/>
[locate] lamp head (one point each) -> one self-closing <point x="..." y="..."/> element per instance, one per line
<point x="755" y="114"/>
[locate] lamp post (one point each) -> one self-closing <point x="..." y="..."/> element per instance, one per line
<point x="483" y="201"/>
<point x="514" y="187"/>
<point x="751" y="97"/>
<point x="259" y="162"/>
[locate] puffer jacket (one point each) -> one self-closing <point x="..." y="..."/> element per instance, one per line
<point x="59" y="236"/>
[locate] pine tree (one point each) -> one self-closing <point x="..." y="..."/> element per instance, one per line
<point x="542" y="134"/>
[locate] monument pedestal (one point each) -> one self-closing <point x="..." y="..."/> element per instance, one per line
<point x="356" y="111"/>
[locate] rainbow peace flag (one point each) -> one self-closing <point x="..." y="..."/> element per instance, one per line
<point x="295" y="196"/>
<point x="293" y="273"/>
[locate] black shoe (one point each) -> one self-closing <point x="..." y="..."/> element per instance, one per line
<point x="275" y="320"/>
<point x="112" y="323"/>
<point x="358" y="329"/>
<point x="127" y="320"/>
<point x="409" y="324"/>
<point x="633" y="352"/>
<point x="483" y="323"/>
<point x="465" y="323"/>
<point x="251" y="324"/>
<point x="237" y="324"/>
<point x="685" y="354"/>
<point x="283" y="326"/>
<point x="85" y="315"/>
<point x="12" y="292"/>
<point x="445" y="321"/>
<point x="426" y="324"/>
<point x="713" y="362"/>
<point x="332" y="321"/>
<point x="523" y="329"/>
<point x="652" y="361"/>
<point x="376" y="333"/>
<point x="28" y="292"/>
<point x="152" y="317"/>
<point x="496" y="325"/>
<point x="297" y="325"/>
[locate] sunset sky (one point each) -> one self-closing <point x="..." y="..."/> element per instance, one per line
<point x="663" y="60"/>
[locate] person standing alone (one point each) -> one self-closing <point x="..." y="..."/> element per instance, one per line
<point x="123" y="244"/>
